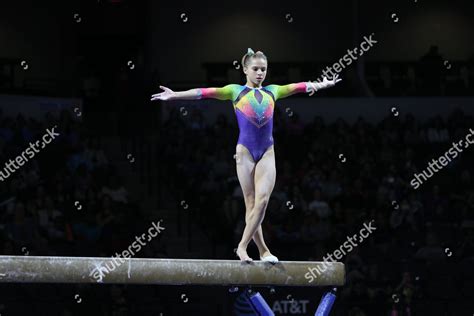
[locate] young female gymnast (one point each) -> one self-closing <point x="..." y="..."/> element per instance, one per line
<point x="255" y="156"/>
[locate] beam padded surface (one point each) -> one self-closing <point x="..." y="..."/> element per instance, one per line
<point x="35" y="269"/>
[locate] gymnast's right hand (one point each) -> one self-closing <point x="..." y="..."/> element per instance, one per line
<point x="166" y="95"/>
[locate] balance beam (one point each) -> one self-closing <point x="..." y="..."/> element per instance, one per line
<point x="38" y="269"/>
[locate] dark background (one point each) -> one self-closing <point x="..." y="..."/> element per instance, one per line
<point x="92" y="66"/>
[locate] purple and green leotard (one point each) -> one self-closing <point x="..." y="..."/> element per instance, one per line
<point x="254" y="110"/>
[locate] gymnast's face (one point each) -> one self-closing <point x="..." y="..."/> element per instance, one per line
<point x="256" y="70"/>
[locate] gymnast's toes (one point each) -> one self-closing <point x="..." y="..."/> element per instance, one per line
<point x="270" y="258"/>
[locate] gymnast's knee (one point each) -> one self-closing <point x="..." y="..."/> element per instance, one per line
<point x="249" y="203"/>
<point x="261" y="203"/>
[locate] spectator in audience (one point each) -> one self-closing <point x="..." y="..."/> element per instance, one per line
<point x="431" y="71"/>
<point x="319" y="206"/>
<point x="115" y="190"/>
<point x="431" y="250"/>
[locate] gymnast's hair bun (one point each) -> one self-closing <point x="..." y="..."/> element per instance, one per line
<point x="251" y="53"/>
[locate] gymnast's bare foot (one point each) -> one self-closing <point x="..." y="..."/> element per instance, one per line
<point x="242" y="254"/>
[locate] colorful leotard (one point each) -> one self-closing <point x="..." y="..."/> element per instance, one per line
<point x="254" y="110"/>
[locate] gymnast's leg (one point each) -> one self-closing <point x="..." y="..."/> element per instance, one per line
<point x="246" y="174"/>
<point x="263" y="179"/>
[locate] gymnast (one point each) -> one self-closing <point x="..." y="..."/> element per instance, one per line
<point x="255" y="155"/>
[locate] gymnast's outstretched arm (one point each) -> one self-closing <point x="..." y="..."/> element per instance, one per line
<point x="224" y="93"/>
<point x="286" y="90"/>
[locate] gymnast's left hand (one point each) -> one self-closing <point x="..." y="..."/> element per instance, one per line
<point x="165" y="95"/>
<point x="324" y="84"/>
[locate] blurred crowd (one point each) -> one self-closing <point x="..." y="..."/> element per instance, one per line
<point x="331" y="179"/>
<point x="66" y="201"/>
<point x="430" y="75"/>
<point x="419" y="259"/>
